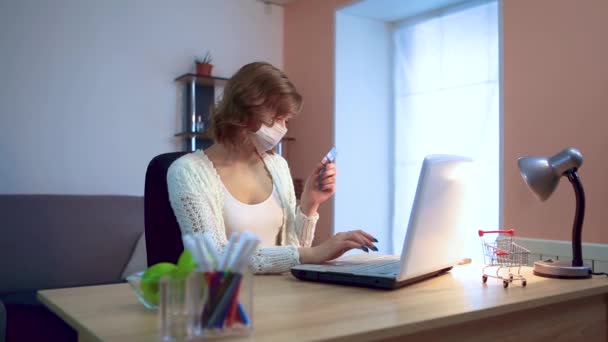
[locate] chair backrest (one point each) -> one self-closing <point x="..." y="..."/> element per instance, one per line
<point x="2" y="321"/>
<point x="163" y="236"/>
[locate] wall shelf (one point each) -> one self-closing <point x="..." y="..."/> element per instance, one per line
<point x="189" y="135"/>
<point x="202" y="80"/>
<point x="196" y="95"/>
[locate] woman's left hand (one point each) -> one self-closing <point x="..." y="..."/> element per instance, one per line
<point x="319" y="187"/>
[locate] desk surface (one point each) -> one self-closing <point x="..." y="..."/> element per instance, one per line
<point x="289" y="309"/>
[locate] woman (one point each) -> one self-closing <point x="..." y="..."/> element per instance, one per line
<point x="239" y="184"/>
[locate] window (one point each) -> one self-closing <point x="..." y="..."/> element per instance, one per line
<point x="446" y="101"/>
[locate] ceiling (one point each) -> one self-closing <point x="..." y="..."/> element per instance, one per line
<point x="393" y="10"/>
<point x="385" y="10"/>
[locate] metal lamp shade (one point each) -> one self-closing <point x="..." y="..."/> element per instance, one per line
<point x="543" y="174"/>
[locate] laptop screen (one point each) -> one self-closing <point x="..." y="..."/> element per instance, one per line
<point x="435" y="235"/>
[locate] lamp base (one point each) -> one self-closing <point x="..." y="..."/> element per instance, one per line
<point x="562" y="269"/>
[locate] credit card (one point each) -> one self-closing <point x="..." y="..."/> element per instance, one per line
<point x="330" y="156"/>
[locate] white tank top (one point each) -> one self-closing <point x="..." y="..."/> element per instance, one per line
<point x="263" y="219"/>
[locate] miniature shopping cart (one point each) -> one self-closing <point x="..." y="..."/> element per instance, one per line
<point x="503" y="255"/>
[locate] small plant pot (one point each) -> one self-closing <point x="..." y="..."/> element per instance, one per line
<point x="203" y="69"/>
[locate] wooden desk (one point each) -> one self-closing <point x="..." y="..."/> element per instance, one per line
<point x="455" y="306"/>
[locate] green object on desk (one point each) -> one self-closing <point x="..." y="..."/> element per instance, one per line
<point x="186" y="261"/>
<point x="150" y="279"/>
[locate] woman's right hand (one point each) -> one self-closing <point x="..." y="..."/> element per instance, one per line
<point x="336" y="246"/>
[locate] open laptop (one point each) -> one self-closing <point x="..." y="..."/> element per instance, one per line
<point x="434" y="241"/>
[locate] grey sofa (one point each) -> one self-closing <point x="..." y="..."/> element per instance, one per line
<point x="54" y="241"/>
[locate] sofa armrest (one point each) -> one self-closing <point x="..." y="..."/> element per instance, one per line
<point x="2" y="322"/>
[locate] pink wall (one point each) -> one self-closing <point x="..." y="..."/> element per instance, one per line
<point x="309" y="62"/>
<point x="556" y="95"/>
<point x="555" y="59"/>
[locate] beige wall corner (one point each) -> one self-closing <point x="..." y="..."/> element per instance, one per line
<point x="556" y="96"/>
<point x="308" y="60"/>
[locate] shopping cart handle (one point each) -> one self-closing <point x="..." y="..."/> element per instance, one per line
<point x="505" y="231"/>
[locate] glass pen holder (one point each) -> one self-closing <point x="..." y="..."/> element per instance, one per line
<point x="205" y="305"/>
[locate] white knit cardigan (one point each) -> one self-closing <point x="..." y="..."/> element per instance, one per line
<point x="197" y="198"/>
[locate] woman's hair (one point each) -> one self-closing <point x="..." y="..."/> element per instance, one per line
<point x="256" y="89"/>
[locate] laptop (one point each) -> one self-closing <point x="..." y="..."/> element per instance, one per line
<point x="434" y="241"/>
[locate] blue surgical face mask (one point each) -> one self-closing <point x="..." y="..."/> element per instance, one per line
<point x="266" y="138"/>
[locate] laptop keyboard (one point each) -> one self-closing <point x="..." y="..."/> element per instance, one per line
<point x="385" y="267"/>
<point x="382" y="265"/>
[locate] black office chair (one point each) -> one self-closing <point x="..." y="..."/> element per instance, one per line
<point x="2" y="322"/>
<point x="163" y="236"/>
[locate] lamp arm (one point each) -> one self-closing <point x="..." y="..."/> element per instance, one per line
<point x="579" y="216"/>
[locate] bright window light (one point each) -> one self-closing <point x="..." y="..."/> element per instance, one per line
<point x="447" y="102"/>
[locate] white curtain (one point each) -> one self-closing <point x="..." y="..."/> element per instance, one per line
<point x="447" y="102"/>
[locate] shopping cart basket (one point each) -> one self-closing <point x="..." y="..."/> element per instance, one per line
<point x="502" y="255"/>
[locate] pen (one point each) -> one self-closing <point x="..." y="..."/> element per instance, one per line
<point x="192" y="244"/>
<point x="229" y="249"/>
<point x="214" y="320"/>
<point x="243" y="261"/>
<point x="212" y="252"/>
<point x="239" y="250"/>
<point x="224" y="275"/>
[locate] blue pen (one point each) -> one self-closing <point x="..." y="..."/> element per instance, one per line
<point x="242" y="314"/>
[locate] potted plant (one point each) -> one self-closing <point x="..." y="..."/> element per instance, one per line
<point x="203" y="65"/>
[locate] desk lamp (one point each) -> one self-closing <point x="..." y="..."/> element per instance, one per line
<point x="542" y="176"/>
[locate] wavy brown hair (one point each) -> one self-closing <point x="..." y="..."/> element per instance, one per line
<point x="253" y="91"/>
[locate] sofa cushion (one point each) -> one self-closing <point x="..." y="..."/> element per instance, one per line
<point x="51" y="241"/>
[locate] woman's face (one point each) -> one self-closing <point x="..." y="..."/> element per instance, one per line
<point x="269" y="118"/>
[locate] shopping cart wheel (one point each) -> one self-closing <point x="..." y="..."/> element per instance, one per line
<point x="505" y="284"/>
<point x="484" y="279"/>
<point x="524" y="283"/>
